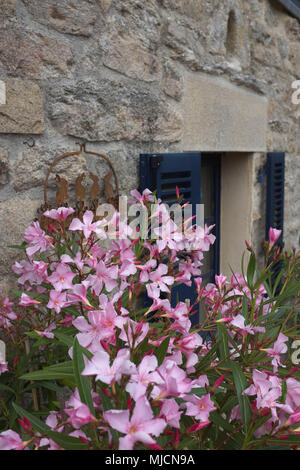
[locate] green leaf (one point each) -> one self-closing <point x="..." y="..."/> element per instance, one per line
<point x="36" y="423"/>
<point x="205" y="361"/>
<point x="223" y="338"/>
<point x="82" y="382"/>
<point x="63" y="370"/>
<point x="161" y="351"/>
<point x="67" y="442"/>
<point x="68" y="341"/>
<point x="6" y="387"/>
<point x="251" y="270"/>
<point x="105" y="401"/>
<point x="245" y="309"/>
<point x="241" y="384"/>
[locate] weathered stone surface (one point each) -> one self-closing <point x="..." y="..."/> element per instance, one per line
<point x="294" y="57"/>
<point x="172" y="83"/>
<point x="66" y="16"/>
<point x="191" y="8"/>
<point x="23" y="111"/>
<point x="15" y="215"/>
<point x="7" y="11"/>
<point x="129" y="52"/>
<point x="107" y="110"/>
<point x="221" y="116"/>
<point x="31" y="168"/>
<point x="292" y="27"/>
<point x="3" y="167"/>
<point x="28" y="56"/>
<point x="2" y="92"/>
<point x="105" y="5"/>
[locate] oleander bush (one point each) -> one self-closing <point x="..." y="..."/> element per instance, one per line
<point x="90" y="365"/>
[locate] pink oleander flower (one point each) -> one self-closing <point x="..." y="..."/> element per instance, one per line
<point x="220" y="280"/>
<point x="62" y="278"/>
<point x="35" y="272"/>
<point x="60" y="214"/>
<point x="10" y="440"/>
<point x="200" y="238"/>
<point x="47" y="332"/>
<point x="26" y="301"/>
<point x="294" y="418"/>
<point x="127" y="268"/>
<point x="170" y="412"/>
<point x="139" y="381"/>
<point x="274" y="235"/>
<point x="171" y="380"/>
<point x="88" y="227"/>
<point x="146" y="269"/>
<point x="79" y="294"/>
<point x="279" y="348"/>
<point x="104" y="276"/>
<point x="57" y="300"/>
<point x="169" y="236"/>
<point x="138" y="331"/>
<point x="261" y="384"/>
<point x="146" y="196"/>
<point x="199" y="407"/>
<point x="239" y="323"/>
<point x="187" y="269"/>
<point x="188" y="345"/>
<point x="101" y="326"/>
<point x="293" y="393"/>
<point x="37" y="239"/>
<point x="159" y="281"/>
<point x="139" y="427"/>
<point x="77" y="260"/>
<point x="3" y="366"/>
<point x="79" y="413"/>
<point x="100" y="366"/>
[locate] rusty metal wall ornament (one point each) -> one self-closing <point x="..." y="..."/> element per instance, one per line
<point x="83" y="202"/>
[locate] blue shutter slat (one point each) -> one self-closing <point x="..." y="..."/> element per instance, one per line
<point x="163" y="172"/>
<point x="275" y="192"/>
<point x="275" y="201"/>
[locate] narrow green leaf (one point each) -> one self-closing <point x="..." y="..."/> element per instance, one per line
<point x="245" y="309"/>
<point x="251" y="270"/>
<point x="63" y="370"/>
<point x="161" y="351"/>
<point x="36" y="423"/>
<point x="68" y="341"/>
<point x="67" y="442"/>
<point x="83" y="382"/>
<point x="223" y="337"/>
<point x="241" y="384"/>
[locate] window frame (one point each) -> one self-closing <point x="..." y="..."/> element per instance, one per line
<point x="293" y="6"/>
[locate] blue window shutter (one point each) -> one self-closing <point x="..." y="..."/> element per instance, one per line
<point x="163" y="172"/>
<point x="275" y="193"/>
<point x="275" y="203"/>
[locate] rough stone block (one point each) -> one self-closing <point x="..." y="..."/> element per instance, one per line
<point x="23" y="111"/>
<point x="66" y="16"/>
<point x="219" y="116"/>
<point x="15" y="215"/>
<point x="109" y="110"/>
<point x="31" y="169"/>
<point x="29" y="55"/>
<point x="2" y="92"/>
<point x="3" y="167"/>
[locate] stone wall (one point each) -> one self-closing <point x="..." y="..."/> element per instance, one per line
<point x="113" y="73"/>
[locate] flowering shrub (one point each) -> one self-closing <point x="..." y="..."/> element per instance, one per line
<point x="88" y="366"/>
